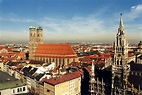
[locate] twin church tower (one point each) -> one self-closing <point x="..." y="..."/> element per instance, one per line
<point x="35" y="37"/>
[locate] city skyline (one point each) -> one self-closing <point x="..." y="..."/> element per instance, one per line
<point x="70" y="20"/>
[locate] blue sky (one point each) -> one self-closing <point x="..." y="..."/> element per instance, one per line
<point x="70" y="20"/>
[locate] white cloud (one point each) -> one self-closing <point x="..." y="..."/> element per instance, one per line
<point x="135" y="12"/>
<point x="87" y="29"/>
<point x="11" y="17"/>
<point x="137" y="8"/>
<point x="81" y="28"/>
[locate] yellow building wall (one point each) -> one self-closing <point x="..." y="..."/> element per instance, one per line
<point x="49" y="89"/>
<point x="71" y="87"/>
<point x="41" y="89"/>
<point x="58" y="61"/>
<point x="62" y="88"/>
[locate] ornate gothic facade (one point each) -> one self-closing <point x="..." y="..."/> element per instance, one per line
<point x="120" y="67"/>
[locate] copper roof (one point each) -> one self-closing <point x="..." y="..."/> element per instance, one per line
<point x="55" y="50"/>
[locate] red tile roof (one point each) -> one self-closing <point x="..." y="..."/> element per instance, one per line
<point x="9" y="56"/>
<point x="9" y="49"/>
<point x="55" y="50"/>
<point x="74" y="64"/>
<point x="130" y="54"/>
<point x="1" y="47"/>
<point x="66" y="77"/>
<point x="21" y="54"/>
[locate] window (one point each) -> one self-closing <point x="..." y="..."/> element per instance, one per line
<point x="48" y="90"/>
<point x="67" y="61"/>
<point x="0" y="93"/>
<point x="13" y="91"/>
<point x="23" y="88"/>
<point x="18" y="90"/>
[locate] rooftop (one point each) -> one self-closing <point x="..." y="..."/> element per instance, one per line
<point x="55" y="50"/>
<point x="11" y="84"/>
<point x="7" y="81"/>
<point x="4" y="77"/>
<point x="64" y="78"/>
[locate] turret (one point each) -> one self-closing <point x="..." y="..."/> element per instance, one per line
<point x="92" y="79"/>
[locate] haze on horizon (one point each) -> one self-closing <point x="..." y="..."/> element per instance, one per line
<point x="70" y="20"/>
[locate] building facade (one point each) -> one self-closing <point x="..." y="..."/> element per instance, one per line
<point x="97" y="87"/>
<point x="11" y="86"/>
<point x="67" y="84"/>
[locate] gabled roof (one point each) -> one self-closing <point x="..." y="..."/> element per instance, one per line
<point x="36" y="62"/>
<point x="54" y="50"/>
<point x="11" y="84"/>
<point x="8" y="49"/>
<point x="64" y="78"/>
<point x="1" y="47"/>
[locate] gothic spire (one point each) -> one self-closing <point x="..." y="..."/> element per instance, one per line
<point x="92" y="80"/>
<point x="121" y="21"/>
<point x="92" y="69"/>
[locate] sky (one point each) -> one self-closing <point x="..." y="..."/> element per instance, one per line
<point x="70" y="20"/>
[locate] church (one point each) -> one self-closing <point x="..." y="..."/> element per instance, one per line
<point x="61" y="54"/>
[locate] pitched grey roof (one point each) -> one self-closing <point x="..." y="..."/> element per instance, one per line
<point x="7" y="81"/>
<point x="4" y="77"/>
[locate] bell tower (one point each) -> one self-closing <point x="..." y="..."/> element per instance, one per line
<point x="35" y="37"/>
<point x="39" y="35"/>
<point x="32" y="42"/>
<point x="120" y="68"/>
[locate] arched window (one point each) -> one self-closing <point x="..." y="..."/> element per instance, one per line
<point x="68" y="60"/>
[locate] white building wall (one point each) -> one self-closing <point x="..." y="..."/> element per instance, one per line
<point x="1" y="66"/>
<point x="13" y="91"/>
<point x="6" y="92"/>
